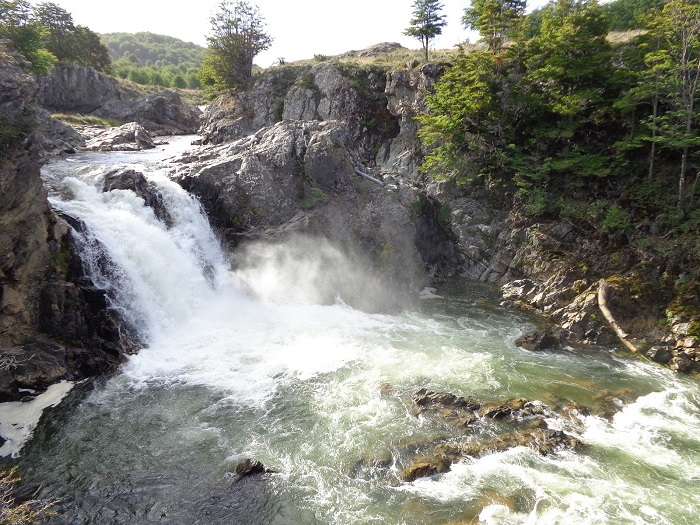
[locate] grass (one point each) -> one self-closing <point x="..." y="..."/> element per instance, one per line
<point x="76" y="119"/>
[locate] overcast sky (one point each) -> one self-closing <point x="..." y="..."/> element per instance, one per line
<point x="300" y="28"/>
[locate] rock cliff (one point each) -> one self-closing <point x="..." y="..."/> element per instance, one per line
<point x="53" y="323"/>
<point x="80" y="89"/>
<point x="77" y="89"/>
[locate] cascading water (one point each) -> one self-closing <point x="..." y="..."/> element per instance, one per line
<point x="320" y="394"/>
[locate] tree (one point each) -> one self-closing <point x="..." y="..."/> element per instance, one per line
<point x="18" y="25"/>
<point x="427" y="22"/>
<point x="676" y="65"/>
<point x="494" y="19"/>
<point x="623" y="15"/>
<point x="70" y="43"/>
<point x="237" y="37"/>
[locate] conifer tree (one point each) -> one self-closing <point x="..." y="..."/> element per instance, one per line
<point x="427" y="22"/>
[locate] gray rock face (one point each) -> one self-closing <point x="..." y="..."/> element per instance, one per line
<point x="231" y="117"/>
<point x="300" y="177"/>
<point x="78" y="89"/>
<point x="405" y="93"/>
<point x="322" y="94"/>
<point x="160" y="113"/>
<point x="129" y="137"/>
<point x="42" y="289"/>
<point x="55" y="137"/>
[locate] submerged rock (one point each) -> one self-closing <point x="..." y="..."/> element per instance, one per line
<point x="250" y="467"/>
<point x="482" y="428"/>
<point x="132" y="180"/>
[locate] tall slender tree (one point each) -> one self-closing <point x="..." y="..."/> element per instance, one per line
<point x="427" y="22"/>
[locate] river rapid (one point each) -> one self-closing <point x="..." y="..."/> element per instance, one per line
<point x="250" y="363"/>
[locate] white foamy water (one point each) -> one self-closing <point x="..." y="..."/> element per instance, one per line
<point x="259" y="363"/>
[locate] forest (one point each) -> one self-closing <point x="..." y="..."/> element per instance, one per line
<point x="147" y="58"/>
<point x="578" y="121"/>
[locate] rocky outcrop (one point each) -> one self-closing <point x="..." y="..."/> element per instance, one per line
<point x="473" y="428"/>
<point x="128" y="137"/>
<point x="56" y="138"/>
<point x="405" y="94"/>
<point x="80" y="89"/>
<point x="53" y="323"/>
<point x="131" y="180"/>
<point x="325" y="91"/>
<point x="77" y="89"/>
<point x="302" y="176"/>
<point x="160" y="113"/>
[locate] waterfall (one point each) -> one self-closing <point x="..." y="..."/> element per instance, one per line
<point x="155" y="274"/>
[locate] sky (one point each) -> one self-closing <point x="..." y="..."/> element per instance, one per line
<point x="300" y="28"/>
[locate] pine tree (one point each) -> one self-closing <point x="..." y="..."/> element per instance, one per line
<point x="427" y="22"/>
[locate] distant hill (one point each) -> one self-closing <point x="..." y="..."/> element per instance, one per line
<point x="148" y="58"/>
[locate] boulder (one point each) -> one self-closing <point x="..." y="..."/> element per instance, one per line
<point x="250" y="467"/>
<point x="538" y="341"/>
<point x="128" y="137"/>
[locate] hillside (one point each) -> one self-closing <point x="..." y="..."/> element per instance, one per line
<point x="148" y="58"/>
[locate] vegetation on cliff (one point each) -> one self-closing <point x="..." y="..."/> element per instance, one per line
<point x="45" y="33"/>
<point x="237" y="36"/>
<point x="582" y="129"/>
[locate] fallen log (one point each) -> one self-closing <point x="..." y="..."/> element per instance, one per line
<point x="603" y="305"/>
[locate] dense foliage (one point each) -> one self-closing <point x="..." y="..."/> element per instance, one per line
<point x="18" y="25"/>
<point x="622" y="15"/>
<point x="556" y="111"/>
<point x="45" y="33"/>
<point x="237" y="36"/>
<point x="147" y="58"/>
<point x="427" y="22"/>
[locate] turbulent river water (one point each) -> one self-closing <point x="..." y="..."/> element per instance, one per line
<point x="247" y="364"/>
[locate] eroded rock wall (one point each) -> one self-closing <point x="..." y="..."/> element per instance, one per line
<point x="53" y="323"/>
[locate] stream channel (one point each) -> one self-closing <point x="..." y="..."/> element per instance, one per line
<point x="250" y="365"/>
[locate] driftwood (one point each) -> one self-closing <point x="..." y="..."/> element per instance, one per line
<point x="369" y="177"/>
<point x="603" y="305"/>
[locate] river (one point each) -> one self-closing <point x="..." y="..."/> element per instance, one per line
<point x="248" y="364"/>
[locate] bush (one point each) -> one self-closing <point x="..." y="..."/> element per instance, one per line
<point x="616" y="220"/>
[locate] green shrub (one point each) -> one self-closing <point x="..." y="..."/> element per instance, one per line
<point x="616" y="219"/>
<point x="316" y="196"/>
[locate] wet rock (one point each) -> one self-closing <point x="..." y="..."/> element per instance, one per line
<point x="130" y="179"/>
<point x="660" y="354"/>
<point x="486" y="427"/>
<point x="128" y="137"/>
<point x="250" y="467"/>
<point x="421" y="468"/>
<point x="538" y="341"/>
